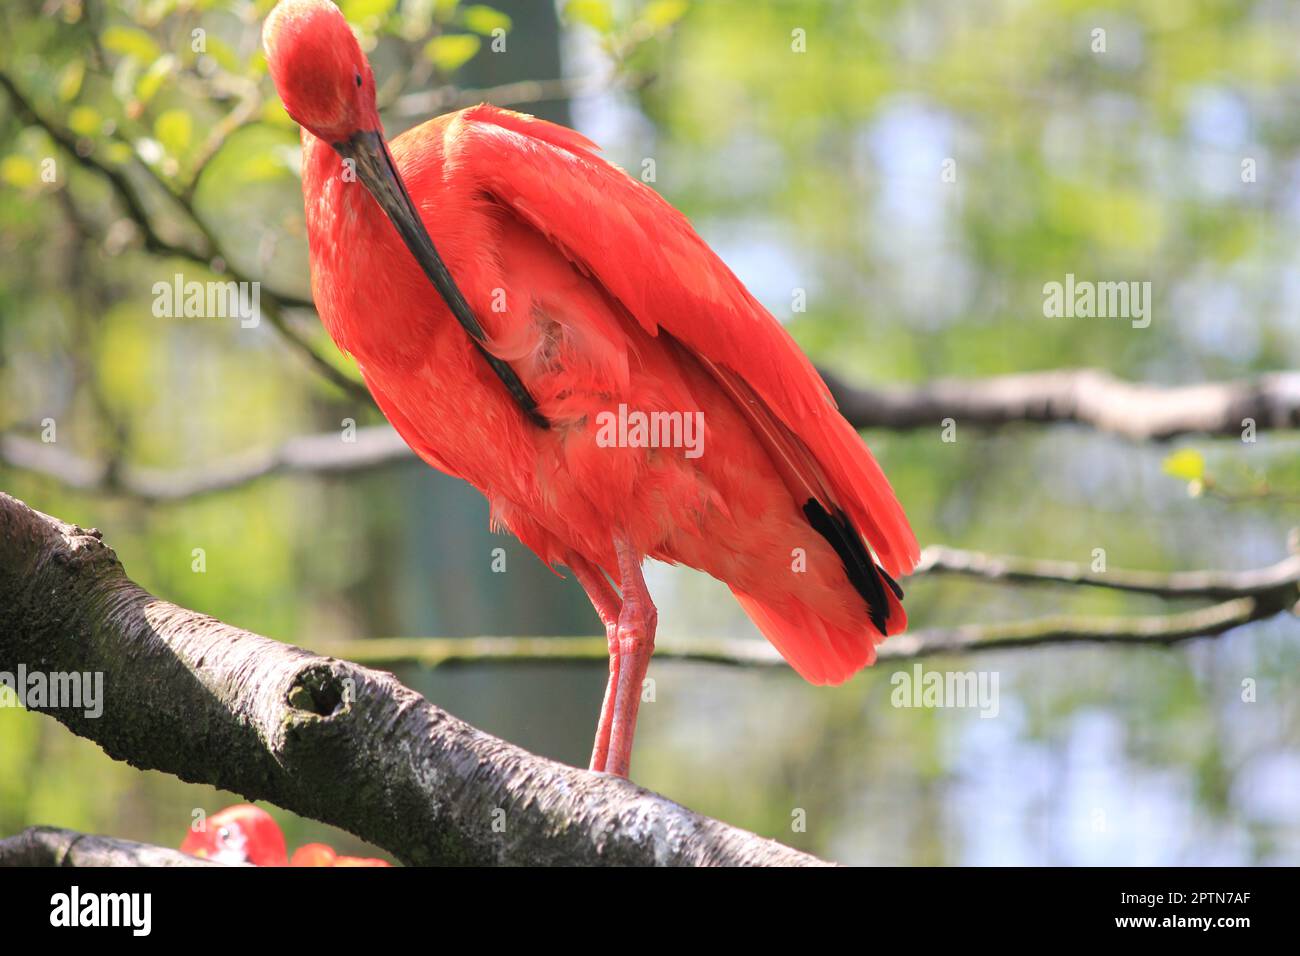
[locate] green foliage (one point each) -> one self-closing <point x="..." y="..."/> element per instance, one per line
<point x="592" y="13"/>
<point x="451" y="51"/>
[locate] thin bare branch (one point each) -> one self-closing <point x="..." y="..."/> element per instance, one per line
<point x="321" y="454"/>
<point x="273" y="303"/>
<point x="244" y="114"/>
<point x="126" y="191"/>
<point x="1083" y="396"/>
<point x="522" y="93"/>
<point x="1215" y="585"/>
<point x="1150" y="629"/>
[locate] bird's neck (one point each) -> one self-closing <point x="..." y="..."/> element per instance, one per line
<point x="351" y="242"/>
<point x="335" y="197"/>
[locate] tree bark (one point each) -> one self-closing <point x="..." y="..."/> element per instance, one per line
<point x="192" y="696"/>
<point x="1089" y="397"/>
<point x="51" y="846"/>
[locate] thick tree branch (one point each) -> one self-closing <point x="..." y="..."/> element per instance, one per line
<point x="50" y="846"/>
<point x="1272" y="401"/>
<point x="1082" y="396"/>
<point x="326" y="453"/>
<point x="210" y="703"/>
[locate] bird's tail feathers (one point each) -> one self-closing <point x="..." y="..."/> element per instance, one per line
<point x="845" y="497"/>
<point x="821" y="652"/>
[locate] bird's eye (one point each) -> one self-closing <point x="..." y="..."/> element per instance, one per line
<point x="358" y="80"/>
<point x="224" y="834"/>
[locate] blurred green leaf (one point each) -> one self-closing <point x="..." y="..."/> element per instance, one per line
<point x="132" y="42"/>
<point x="84" y="120"/>
<point x="261" y="167"/>
<point x="361" y="11"/>
<point x="70" y="80"/>
<point x="1187" y="465"/>
<point x="484" y="19"/>
<point x="147" y="87"/>
<point x="223" y="54"/>
<point x="116" y="152"/>
<point x="174" y="129"/>
<point x="152" y="12"/>
<point x="593" y="13"/>
<point x="663" y="13"/>
<point x="273" y="114"/>
<point x="451" y="51"/>
<point x="128" y="354"/>
<point x="18" y="171"/>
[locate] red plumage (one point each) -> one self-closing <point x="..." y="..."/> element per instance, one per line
<point x="599" y="294"/>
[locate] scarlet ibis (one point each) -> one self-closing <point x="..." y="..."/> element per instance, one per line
<point x="244" y="833"/>
<point x="318" y="854"/>
<point x="239" y="834"/>
<point x="534" y="321"/>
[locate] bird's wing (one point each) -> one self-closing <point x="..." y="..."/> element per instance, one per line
<point x="646" y="254"/>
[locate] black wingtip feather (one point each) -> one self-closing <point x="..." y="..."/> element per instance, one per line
<point x="867" y="577"/>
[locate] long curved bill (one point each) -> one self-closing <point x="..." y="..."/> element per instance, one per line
<point x="377" y="172"/>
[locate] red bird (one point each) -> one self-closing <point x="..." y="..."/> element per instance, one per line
<point x="244" y="833"/>
<point x="590" y="365"/>
<point x="318" y="854"/>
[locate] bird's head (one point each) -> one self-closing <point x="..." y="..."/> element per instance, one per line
<point x="325" y="82"/>
<point x="323" y="78"/>
<point x="239" y="834"/>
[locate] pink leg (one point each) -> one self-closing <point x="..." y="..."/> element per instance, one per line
<point x="608" y="606"/>
<point x="636" y="642"/>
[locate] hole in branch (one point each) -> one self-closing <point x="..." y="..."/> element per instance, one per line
<point x="318" y="691"/>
